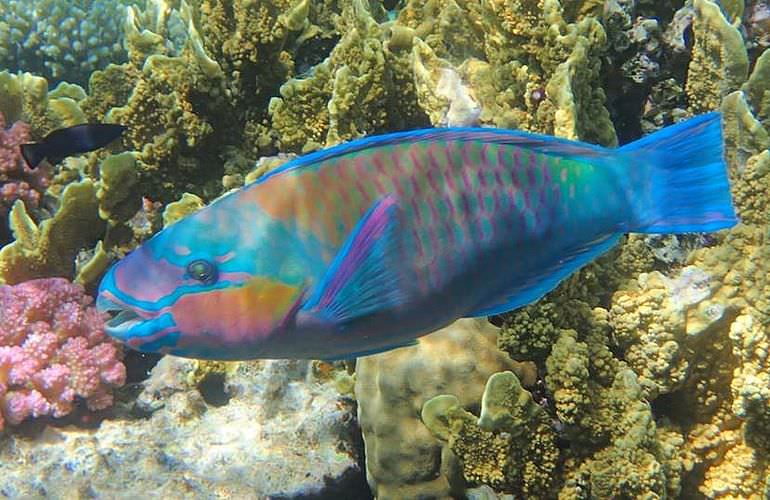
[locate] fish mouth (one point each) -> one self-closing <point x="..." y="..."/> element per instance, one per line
<point x="122" y="319"/>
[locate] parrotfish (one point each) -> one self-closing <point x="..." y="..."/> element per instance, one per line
<point x="69" y="141"/>
<point x="366" y="246"/>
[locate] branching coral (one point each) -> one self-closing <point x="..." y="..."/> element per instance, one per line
<point x="17" y="180"/>
<point x="53" y="350"/>
<point x="61" y="39"/>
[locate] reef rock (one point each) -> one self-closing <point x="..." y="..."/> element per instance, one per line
<point x="201" y="430"/>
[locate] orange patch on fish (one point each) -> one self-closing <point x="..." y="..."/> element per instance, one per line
<point x="235" y="314"/>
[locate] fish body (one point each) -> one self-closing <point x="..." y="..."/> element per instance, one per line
<point x="69" y="141"/>
<point x="366" y="246"/>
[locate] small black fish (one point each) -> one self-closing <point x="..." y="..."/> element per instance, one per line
<point x="69" y="141"/>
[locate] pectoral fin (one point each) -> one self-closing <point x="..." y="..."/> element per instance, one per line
<point x="365" y="276"/>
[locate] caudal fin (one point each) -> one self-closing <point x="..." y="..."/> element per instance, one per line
<point x="34" y="153"/>
<point x="679" y="179"/>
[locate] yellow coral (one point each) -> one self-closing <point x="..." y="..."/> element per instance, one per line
<point x="179" y="209"/>
<point x="403" y="459"/>
<point x="511" y="445"/>
<point x="50" y="248"/>
<point x="719" y="63"/>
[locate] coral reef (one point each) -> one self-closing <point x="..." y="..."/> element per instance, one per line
<point x="363" y="87"/>
<point x="644" y="375"/>
<point x="61" y="39"/>
<point x="511" y="446"/>
<point x="53" y="350"/>
<point x="526" y="64"/>
<point x="26" y="97"/>
<point x="50" y="248"/>
<point x="17" y="180"/>
<point x="253" y="430"/>
<point x="403" y="459"/>
<point x="720" y="63"/>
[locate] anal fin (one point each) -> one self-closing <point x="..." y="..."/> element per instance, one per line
<point x="377" y="350"/>
<point x="521" y="294"/>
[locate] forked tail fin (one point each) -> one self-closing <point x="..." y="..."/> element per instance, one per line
<point x="679" y="179"/>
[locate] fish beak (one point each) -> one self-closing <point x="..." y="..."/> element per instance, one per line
<point x="122" y="320"/>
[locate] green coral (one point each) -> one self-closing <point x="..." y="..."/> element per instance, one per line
<point x="523" y="62"/>
<point x="511" y="445"/>
<point x="49" y="249"/>
<point x="662" y="323"/>
<point x="61" y="39"/>
<point x="529" y="333"/>
<point x="118" y="199"/>
<point x="179" y="209"/>
<point x="642" y="461"/>
<point x="364" y="87"/>
<point x="109" y="88"/>
<point x="25" y="97"/>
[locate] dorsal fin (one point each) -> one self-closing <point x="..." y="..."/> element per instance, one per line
<point x="537" y="142"/>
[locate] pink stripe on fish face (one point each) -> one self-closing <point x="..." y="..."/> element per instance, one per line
<point x="234" y="316"/>
<point x="141" y="276"/>
<point x="142" y="313"/>
<point x="226" y="257"/>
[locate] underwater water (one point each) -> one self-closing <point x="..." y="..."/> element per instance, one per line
<point x="230" y="267"/>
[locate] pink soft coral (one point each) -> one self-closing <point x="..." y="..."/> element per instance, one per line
<point x="52" y="350"/>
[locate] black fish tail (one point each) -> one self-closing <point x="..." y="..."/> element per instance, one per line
<point x="34" y="153"/>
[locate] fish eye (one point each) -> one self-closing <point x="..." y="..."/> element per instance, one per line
<point x="203" y="271"/>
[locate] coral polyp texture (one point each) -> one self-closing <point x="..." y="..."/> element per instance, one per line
<point x="61" y="39"/>
<point x="17" y="180"/>
<point x="53" y="352"/>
